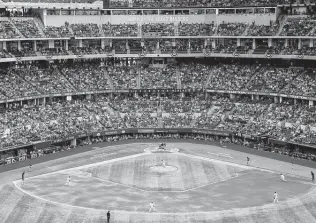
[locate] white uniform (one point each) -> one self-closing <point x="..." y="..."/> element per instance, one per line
<point x="283" y="178"/>
<point x="276" y="198"/>
<point x="68" y="181"/>
<point x="152" y="207"/>
<point x="163" y="163"/>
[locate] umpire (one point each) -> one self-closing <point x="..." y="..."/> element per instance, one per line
<point x="108" y="216"/>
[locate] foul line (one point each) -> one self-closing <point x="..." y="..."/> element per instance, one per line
<point x="217" y="161"/>
<point x="244" y="166"/>
<point x="89" y="165"/>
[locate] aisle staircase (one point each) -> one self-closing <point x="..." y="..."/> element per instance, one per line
<point x="139" y="30"/>
<point x="211" y="110"/>
<point x="282" y="20"/>
<point x="138" y="79"/>
<point x="207" y="81"/>
<point x="101" y="30"/>
<point x="216" y="29"/>
<point x="258" y="72"/>
<point x="39" y="25"/>
<point x="70" y="30"/>
<point x="176" y="29"/>
<point x="2" y="93"/>
<point x="178" y="78"/>
<point x="245" y="33"/>
<point x="66" y="78"/>
<point x="298" y="74"/>
<point x="138" y="85"/>
<point x="61" y="74"/>
<point x="312" y="32"/>
<point x="16" y="29"/>
<point x="160" y="122"/>
<point x="111" y="111"/>
<point x="194" y="120"/>
<point x="106" y="74"/>
<point x="29" y="83"/>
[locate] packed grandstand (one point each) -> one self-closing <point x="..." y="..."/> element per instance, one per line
<point x="247" y="74"/>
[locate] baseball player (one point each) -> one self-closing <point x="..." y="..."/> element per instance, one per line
<point x="23" y="177"/>
<point x="68" y="181"/>
<point x="163" y="162"/>
<point x="276" y="197"/>
<point x="152" y="207"/>
<point x="248" y="160"/>
<point x="282" y="178"/>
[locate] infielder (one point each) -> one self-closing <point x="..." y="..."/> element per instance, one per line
<point x="282" y="178"/>
<point x="152" y="207"/>
<point x="163" y="163"/>
<point x="276" y="198"/>
<point x="68" y="181"/>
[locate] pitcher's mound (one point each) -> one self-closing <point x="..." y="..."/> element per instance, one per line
<point x="162" y="169"/>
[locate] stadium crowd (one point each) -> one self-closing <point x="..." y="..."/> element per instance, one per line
<point x="31" y="27"/>
<point x="152" y="41"/>
<point x="23" y="124"/>
<point x="195" y="3"/>
<point x="196" y="29"/>
<point x="231" y="29"/>
<point x="299" y="26"/>
<point x="40" y="78"/>
<point x="176" y="4"/>
<point x="284" y="121"/>
<point x="262" y="30"/>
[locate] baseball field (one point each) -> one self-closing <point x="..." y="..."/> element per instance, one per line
<point x="193" y="183"/>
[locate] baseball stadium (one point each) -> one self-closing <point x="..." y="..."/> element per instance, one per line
<point x="158" y="111"/>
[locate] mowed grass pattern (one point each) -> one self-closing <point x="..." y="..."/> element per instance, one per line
<point x="190" y="173"/>
<point x="16" y="207"/>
